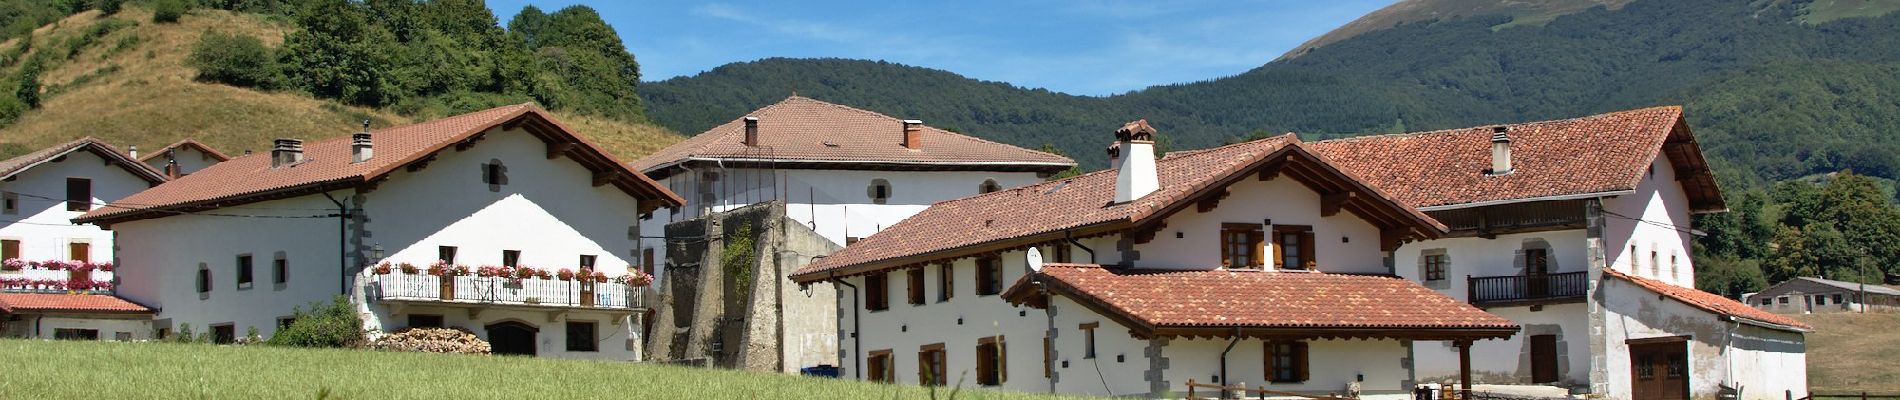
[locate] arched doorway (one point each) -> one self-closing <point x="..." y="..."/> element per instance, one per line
<point x="512" y="338"/>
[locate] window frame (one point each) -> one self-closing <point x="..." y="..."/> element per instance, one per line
<point x="877" y="291"/>
<point x="914" y="278"/>
<point x="933" y="358"/>
<point x="445" y="254"/>
<point x="204" y="279"/>
<point x="1307" y="260"/>
<point x="511" y="258"/>
<point x="1251" y="235"/>
<point x="9" y="203"/>
<point x="280" y="269"/>
<point x="9" y="248"/>
<point x="1298" y="368"/>
<point x="880" y="366"/>
<point x="422" y="321"/>
<point x="946" y="281"/>
<point x="588" y="344"/>
<point x="994" y="372"/>
<point x="1436" y="266"/>
<point x="1088" y="338"/>
<point x="246" y="271"/>
<point x="78" y="194"/>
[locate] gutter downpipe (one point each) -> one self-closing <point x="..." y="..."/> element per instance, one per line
<point x="1070" y="236"/>
<point x="1728" y="358"/>
<point x="342" y="245"/>
<point x="1223" y="360"/>
<point x="857" y="342"/>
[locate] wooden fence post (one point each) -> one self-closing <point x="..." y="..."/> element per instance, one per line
<point x="1190" y="388"/>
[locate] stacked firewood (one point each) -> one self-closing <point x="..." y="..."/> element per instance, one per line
<point x="432" y="340"/>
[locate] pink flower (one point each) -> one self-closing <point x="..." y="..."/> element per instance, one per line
<point x="566" y="274"/>
<point x="488" y="271"/>
<point x="104" y="266"/>
<point x="600" y="277"/>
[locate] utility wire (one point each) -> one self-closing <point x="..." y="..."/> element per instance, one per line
<point x="185" y="213"/>
<point x="1668" y="226"/>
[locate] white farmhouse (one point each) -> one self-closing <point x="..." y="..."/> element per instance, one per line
<point x="44" y="253"/>
<point x="1255" y="263"/>
<point x="183" y="158"/>
<point x="845" y="172"/>
<point x="1579" y="230"/>
<point x="239" y="244"/>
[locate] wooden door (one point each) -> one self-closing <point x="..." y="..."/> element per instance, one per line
<point x="1543" y="358"/>
<point x="1536" y="267"/>
<point x="80" y="251"/>
<point x="1659" y="371"/>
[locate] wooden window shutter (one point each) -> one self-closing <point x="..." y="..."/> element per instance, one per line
<point x="923" y="368"/>
<point x="1002" y="361"/>
<point x="9" y="249"/>
<point x="1279" y="255"/>
<point x="1307" y="255"/>
<point x="1048" y="353"/>
<point x="1300" y="361"/>
<point x="1273" y="359"/>
<point x="1255" y="241"/>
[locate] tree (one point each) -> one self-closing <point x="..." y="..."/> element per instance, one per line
<point x="168" y="11"/>
<point x="338" y="54"/>
<point x="27" y="81"/>
<point x="234" y="59"/>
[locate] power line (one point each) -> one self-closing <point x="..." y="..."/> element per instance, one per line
<point x="185" y="213"/>
<point x="122" y="204"/>
<point x="1668" y="226"/>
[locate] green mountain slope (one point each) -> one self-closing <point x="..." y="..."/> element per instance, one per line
<point x="1772" y="95"/>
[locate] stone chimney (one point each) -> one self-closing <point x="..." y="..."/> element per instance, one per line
<point x="361" y="148"/>
<point x="1500" y="151"/>
<point x="751" y="131"/>
<point x="913" y="134"/>
<point x="132" y="152"/>
<point x="1135" y="174"/>
<point x="285" y="152"/>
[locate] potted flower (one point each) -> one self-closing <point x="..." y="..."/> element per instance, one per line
<point x="459" y="270"/>
<point x="565" y="274"/>
<point x="103" y="266"/>
<point x="637" y="278"/>
<point x="524" y="272"/>
<point x="53" y="265"/>
<point x="439" y="268"/>
<point x="12" y="264"/>
<point x="407" y="268"/>
<point x="383" y="268"/>
<point x="543" y="274"/>
<point x="487" y="271"/>
<point x="102" y="285"/>
<point x="600" y="277"/>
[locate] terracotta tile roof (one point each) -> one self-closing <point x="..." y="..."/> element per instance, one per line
<point x="1594" y="154"/>
<point x="1156" y="300"/>
<point x="1083" y="201"/>
<point x="44" y="302"/>
<point x="182" y="144"/>
<point x="803" y="129"/>
<point x="1710" y="302"/>
<point x="12" y="166"/>
<point x="327" y="166"/>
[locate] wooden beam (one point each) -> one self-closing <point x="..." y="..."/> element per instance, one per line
<point x="1330" y="203"/>
<point x="1270" y="171"/>
<point x="556" y="149"/>
<point x="605" y="177"/>
<point x="1464" y="367"/>
<point x="1390" y="239"/>
<point x="1211" y="201"/>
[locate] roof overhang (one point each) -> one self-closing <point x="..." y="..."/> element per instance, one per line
<point x="661" y="171"/>
<point x="1021" y="242"/>
<point x="112" y="155"/>
<point x="1763" y="324"/>
<point x="1578" y="196"/>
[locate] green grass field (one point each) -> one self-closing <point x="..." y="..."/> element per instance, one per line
<point x="1850" y="353"/>
<point x="35" y="369"/>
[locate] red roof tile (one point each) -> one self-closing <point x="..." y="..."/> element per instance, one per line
<point x="1156" y="300"/>
<point x="44" y="302"/>
<point x="1595" y="154"/>
<point x="1082" y="201"/>
<point x="1710" y="302"/>
<point x="12" y="166"/>
<point x="214" y="153"/>
<point x="327" y="165"/>
<point x="803" y="129"/>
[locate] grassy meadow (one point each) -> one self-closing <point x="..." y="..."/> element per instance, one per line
<point x="1853" y="353"/>
<point x="40" y="369"/>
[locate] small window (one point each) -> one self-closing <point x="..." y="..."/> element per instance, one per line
<point x="122" y="336"/>
<point x="587" y="261"/>
<point x="946" y="281"/>
<point x="930" y="365"/>
<point x="9" y="249"/>
<point x="445" y="253"/>
<point x="580" y="336"/>
<point x="988" y="186"/>
<point x="1286" y="361"/>
<point x="280" y="269"/>
<point x="1293" y="247"/>
<point x="915" y="276"/>
<point x="989" y="276"/>
<point x="510" y="258"/>
<point x="1820" y="300"/>
<point x="493" y="173"/>
<point x="646" y="260"/>
<point x="75" y="334"/>
<point x="991" y="361"/>
<point x="1063" y="254"/>
<point x="9" y="203"/>
<point x="877" y="292"/>
<point x="1088" y="339"/>
<point x="204" y="279"/>
<point x="1653" y="264"/>
<point x="1635" y="266"/>
<point x="1434" y="267"/>
<point x="244" y="271"/>
<point x="224" y="334"/>
<point x="1782" y="299"/>
<point x="879" y="368"/>
<point x="78" y="194"/>
<point x="1241" y="245"/>
<point x="425" y="321"/>
<point x="1837" y="300"/>
<point x="880" y="191"/>
<point x="1767" y="302"/>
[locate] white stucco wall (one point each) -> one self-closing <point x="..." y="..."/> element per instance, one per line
<point x="44" y="227"/>
<point x="1344" y="242"/>
<point x="135" y="327"/>
<point x="957" y="323"/>
<point x="1663" y="206"/>
<point x="1332" y="363"/>
<point x="1766" y="363"/>
<point x="1504" y="361"/>
<point x="1500" y="256"/>
<point x="189" y="160"/>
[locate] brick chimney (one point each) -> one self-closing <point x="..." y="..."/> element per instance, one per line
<point x="132" y="152"/>
<point x="285" y="152"/>
<point x="913" y="134"/>
<point x="751" y="131"/>
<point x="1500" y="151"/>
<point x="361" y="147"/>
<point x="1135" y="174"/>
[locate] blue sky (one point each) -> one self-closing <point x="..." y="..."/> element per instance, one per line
<point x="1078" y="47"/>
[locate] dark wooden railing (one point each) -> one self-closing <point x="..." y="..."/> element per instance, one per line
<point x="1526" y="289"/>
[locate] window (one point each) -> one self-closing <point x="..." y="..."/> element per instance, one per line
<point x="9" y="203"/>
<point x="916" y="278"/>
<point x="75" y="334"/>
<point x="78" y="194"/>
<point x="224" y="334"/>
<point x="1820" y="300"/>
<point x="646" y="261"/>
<point x="204" y="279"/>
<point x="1536" y="261"/>
<point x="587" y="261"/>
<point x="445" y="253"/>
<point x="494" y="174"/>
<point x="1286" y="361"/>
<point x="1634" y="265"/>
<point x="510" y="258"/>
<point x="580" y="336"/>
<point x="991" y="361"/>
<point x="9" y="249"/>
<point x="1088" y="339"/>
<point x="280" y="269"/>
<point x="1767" y="301"/>
<point x="425" y="321"/>
<point x="946" y="281"/>
<point x="1063" y="254"/>
<point x="880" y="191"/>
<point x="79" y="251"/>
<point x="1655" y="266"/>
<point x="1240" y="245"/>
<point x="1672" y="263"/>
<point x="122" y="336"/>
<point x="244" y="271"/>
<point x="930" y="365"/>
<point x="1837" y="300"/>
<point x="1434" y="266"/>
<point x="988" y="186"/>
<point x="1782" y="299"/>
<point x="877" y="292"/>
<point x="989" y="275"/>
<point x="1293" y="247"/>
<point x="878" y="367"/>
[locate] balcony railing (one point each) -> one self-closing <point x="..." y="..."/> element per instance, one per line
<point x="505" y="291"/>
<point x="1499" y="291"/>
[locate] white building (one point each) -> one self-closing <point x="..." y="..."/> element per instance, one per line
<point x="845" y="172"/>
<point x="1252" y="263"/>
<point x="239" y="244"/>
<point x="47" y="255"/>
<point x="1579" y="230"/>
<point x="73" y="317"/>
<point x="1811" y="295"/>
<point x="183" y="158"/>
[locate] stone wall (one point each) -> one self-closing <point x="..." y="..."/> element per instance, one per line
<point x="721" y="300"/>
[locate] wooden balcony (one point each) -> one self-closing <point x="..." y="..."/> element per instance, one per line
<point x="476" y="292"/>
<point x="1527" y="290"/>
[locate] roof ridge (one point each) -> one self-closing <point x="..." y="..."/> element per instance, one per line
<point x="952" y="134"/>
<point x="1676" y="108"/>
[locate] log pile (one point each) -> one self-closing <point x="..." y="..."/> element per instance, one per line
<point x="432" y="340"/>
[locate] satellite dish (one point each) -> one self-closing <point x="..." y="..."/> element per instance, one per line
<point x="1035" y="259"/>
